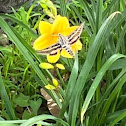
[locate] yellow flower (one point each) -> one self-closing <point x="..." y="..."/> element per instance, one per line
<point x="55" y="82"/>
<point x="46" y="65"/>
<point x="60" y="66"/>
<point x="50" y="87"/>
<point x="49" y="35"/>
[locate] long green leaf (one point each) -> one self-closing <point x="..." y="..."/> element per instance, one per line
<point x="106" y="94"/>
<point x="113" y="116"/>
<point x="21" y="48"/>
<point x="97" y="81"/>
<point x="81" y="19"/>
<point x="19" y="22"/>
<point x="101" y="36"/>
<point x="9" y="108"/>
<point x="110" y="99"/>
<point x="36" y="119"/>
<point x="120" y="117"/>
<point x="27" y="55"/>
<point x="30" y="49"/>
<point x="121" y="38"/>
<point x="70" y="87"/>
<point x="109" y="6"/>
<point x="99" y="14"/>
<point x="63" y="8"/>
<point x="88" y="13"/>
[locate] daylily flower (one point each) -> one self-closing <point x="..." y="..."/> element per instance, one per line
<point x="51" y="87"/>
<point x="49" y="35"/>
<point x="55" y="82"/>
<point x="60" y="66"/>
<point x="46" y="65"/>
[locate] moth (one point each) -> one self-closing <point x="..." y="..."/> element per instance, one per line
<point x="52" y="106"/>
<point x="64" y="42"/>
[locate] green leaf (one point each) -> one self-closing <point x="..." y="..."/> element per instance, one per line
<point x="1" y="119"/>
<point x="110" y="100"/>
<point x="9" y="124"/>
<point x="28" y="56"/>
<point x="97" y="81"/>
<point x="118" y="64"/>
<point x="35" y="105"/>
<point x="70" y="87"/>
<point x="99" y="14"/>
<point x="19" y="22"/>
<point x="109" y="6"/>
<point x="63" y="8"/>
<point x="36" y="119"/>
<point x="101" y="36"/>
<point x="27" y="115"/>
<point x="121" y="39"/>
<point x="113" y="116"/>
<point x="104" y="97"/>
<point x="13" y="122"/>
<point x="120" y="117"/>
<point x="22" y="100"/>
<point x="88" y="13"/>
<point x="6" y="100"/>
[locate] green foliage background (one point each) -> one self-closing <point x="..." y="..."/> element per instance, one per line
<point x="94" y="94"/>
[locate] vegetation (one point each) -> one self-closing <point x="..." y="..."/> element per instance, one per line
<point x="92" y="86"/>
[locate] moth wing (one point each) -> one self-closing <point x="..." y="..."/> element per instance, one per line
<point x="75" y="35"/>
<point x="51" y="50"/>
<point x="68" y="48"/>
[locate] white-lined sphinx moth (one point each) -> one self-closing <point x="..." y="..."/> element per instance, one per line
<point x="64" y="42"/>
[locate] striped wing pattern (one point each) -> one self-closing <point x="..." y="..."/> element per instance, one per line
<point x="52" y="50"/>
<point x="75" y="35"/>
<point x="64" y="42"/>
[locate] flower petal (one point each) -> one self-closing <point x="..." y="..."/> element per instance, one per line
<point x="53" y="58"/>
<point x="60" y="24"/>
<point x="44" y="27"/>
<point x="69" y="30"/>
<point x="44" y="41"/>
<point x="46" y="66"/>
<point x="64" y="53"/>
<point x="60" y="66"/>
<point x="55" y="82"/>
<point x="77" y="46"/>
<point x="50" y="87"/>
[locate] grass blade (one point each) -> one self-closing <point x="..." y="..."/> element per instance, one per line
<point x="27" y="55"/>
<point x="81" y="19"/>
<point x="88" y="13"/>
<point x="19" y="22"/>
<point x="107" y="11"/>
<point x="114" y="115"/>
<point x="36" y="119"/>
<point x="120" y="40"/>
<point x="70" y="86"/>
<point x="6" y="100"/>
<point x="120" y="117"/>
<point x="110" y="99"/>
<point x="92" y="53"/>
<point x="63" y="8"/>
<point x="107" y="93"/>
<point x="97" y="81"/>
<point x="99" y="14"/>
